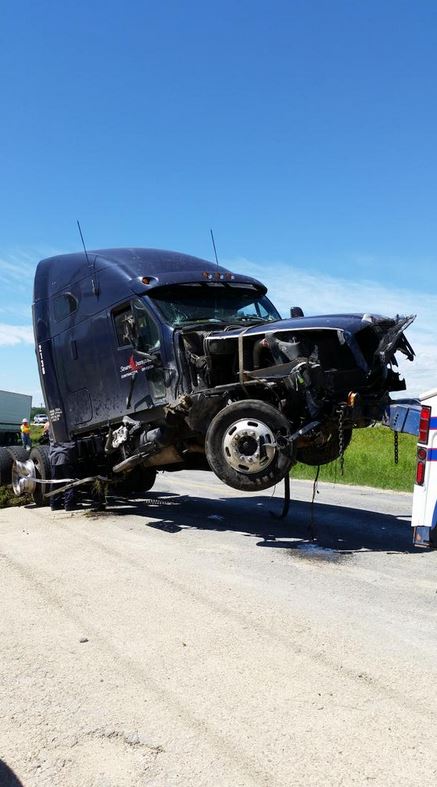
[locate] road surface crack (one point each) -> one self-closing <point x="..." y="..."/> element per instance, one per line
<point x="133" y="739"/>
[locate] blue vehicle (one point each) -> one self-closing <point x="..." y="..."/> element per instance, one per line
<point x="158" y="360"/>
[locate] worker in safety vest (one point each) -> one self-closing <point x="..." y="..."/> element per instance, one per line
<point x="25" y="434"/>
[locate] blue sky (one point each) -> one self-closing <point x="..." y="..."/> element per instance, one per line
<point x="304" y="132"/>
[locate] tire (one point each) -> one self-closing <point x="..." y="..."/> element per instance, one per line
<point x="139" y="480"/>
<point x="18" y="452"/>
<point x="40" y="458"/>
<point x="316" y="455"/>
<point x="5" y="467"/>
<point x="237" y="446"/>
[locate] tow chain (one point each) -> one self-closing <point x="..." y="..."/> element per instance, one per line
<point x="341" y="437"/>
<point x="396" y="447"/>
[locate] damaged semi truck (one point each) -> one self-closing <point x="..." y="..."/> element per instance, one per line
<point x="154" y="360"/>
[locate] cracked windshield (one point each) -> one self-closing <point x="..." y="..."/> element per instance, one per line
<point x="214" y="302"/>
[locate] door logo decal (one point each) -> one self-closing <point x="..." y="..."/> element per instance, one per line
<point x="134" y="366"/>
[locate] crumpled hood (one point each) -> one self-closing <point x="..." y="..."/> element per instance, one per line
<point x="372" y="339"/>
<point x="344" y="322"/>
<point x="347" y="323"/>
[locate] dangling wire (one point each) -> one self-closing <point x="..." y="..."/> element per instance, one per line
<point x="286" y="501"/>
<point x="315" y="490"/>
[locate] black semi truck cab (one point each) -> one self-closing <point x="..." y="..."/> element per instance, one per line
<point x="154" y="359"/>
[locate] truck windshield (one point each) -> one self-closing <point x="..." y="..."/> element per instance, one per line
<point x="215" y="302"/>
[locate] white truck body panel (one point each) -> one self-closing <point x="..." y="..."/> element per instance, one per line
<point x="13" y="408"/>
<point x="424" y="513"/>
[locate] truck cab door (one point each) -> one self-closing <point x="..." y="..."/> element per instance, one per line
<point x="140" y="364"/>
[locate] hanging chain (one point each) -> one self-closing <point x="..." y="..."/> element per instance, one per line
<point x="341" y="437"/>
<point x="396" y="447"/>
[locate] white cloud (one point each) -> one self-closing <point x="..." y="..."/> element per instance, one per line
<point x="19" y="312"/>
<point x="17" y="269"/>
<point x="290" y="285"/>
<point x="11" y="335"/>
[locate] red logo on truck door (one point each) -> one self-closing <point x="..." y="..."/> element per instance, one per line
<point x="133" y="364"/>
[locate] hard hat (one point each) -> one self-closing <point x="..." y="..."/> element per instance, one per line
<point x="25" y="421"/>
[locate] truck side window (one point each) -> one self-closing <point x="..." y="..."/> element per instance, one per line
<point x="121" y="325"/>
<point x="64" y="305"/>
<point x="134" y="321"/>
<point x="146" y="330"/>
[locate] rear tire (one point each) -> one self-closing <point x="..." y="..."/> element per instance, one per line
<point x="5" y="467"/>
<point x="19" y="453"/>
<point x="40" y="458"/>
<point x="233" y="445"/>
<point x="135" y="483"/>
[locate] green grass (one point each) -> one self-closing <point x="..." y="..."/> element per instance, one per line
<point x="36" y="433"/>
<point x="7" y="498"/>
<point x="369" y="461"/>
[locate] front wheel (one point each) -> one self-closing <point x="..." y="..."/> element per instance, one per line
<point x="245" y="445"/>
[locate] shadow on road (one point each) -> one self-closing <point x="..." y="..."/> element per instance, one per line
<point x="338" y="528"/>
<point x="7" y="776"/>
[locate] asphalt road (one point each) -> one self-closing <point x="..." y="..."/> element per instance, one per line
<point x="194" y="640"/>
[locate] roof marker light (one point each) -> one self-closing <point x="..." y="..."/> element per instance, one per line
<point x="217" y="276"/>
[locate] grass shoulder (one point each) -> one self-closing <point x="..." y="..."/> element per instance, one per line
<point x="369" y="461"/>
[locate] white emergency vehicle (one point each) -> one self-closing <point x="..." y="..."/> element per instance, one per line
<point x="424" y="515"/>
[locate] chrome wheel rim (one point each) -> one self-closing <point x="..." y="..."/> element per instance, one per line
<point x="23" y="477"/>
<point x="249" y="446"/>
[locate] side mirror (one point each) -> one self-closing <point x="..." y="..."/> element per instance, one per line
<point x="296" y="311"/>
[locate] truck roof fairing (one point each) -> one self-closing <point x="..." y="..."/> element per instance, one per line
<point x="162" y="268"/>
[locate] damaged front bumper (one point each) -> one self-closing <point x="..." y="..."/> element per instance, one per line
<point x="324" y="375"/>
